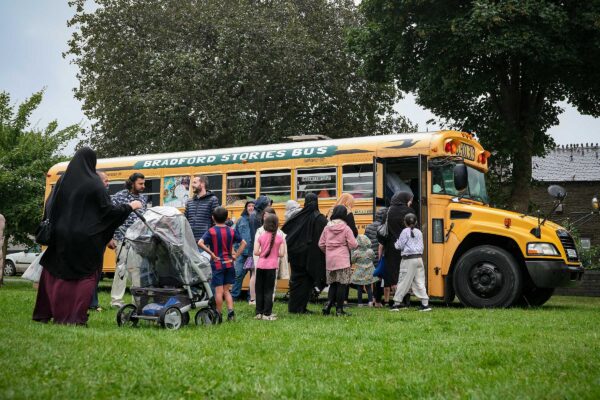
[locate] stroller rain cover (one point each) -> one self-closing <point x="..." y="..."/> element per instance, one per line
<point x="170" y="254"/>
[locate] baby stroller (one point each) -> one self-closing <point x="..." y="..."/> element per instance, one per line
<point x="174" y="277"/>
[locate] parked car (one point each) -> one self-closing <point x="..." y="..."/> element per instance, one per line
<point x="18" y="262"/>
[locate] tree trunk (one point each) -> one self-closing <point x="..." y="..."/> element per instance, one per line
<point x="3" y="247"/>
<point x="521" y="172"/>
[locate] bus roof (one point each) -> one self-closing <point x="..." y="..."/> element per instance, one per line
<point x="419" y="140"/>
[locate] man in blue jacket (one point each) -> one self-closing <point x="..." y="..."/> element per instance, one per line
<point x="198" y="209"/>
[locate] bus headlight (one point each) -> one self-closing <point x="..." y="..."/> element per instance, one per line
<point x="542" y="249"/>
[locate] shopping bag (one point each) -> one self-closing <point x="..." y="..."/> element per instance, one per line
<point x="34" y="271"/>
<point x="383" y="233"/>
<point x="380" y="270"/>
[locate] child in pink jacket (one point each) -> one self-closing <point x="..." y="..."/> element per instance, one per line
<point x="337" y="240"/>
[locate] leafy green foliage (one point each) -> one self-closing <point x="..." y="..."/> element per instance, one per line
<point x="497" y="68"/>
<point x="26" y="154"/>
<point x="179" y="75"/>
<point x="590" y="257"/>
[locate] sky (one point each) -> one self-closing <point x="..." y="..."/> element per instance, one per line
<point x="34" y="34"/>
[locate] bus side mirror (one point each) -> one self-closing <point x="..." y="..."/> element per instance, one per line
<point x="461" y="177"/>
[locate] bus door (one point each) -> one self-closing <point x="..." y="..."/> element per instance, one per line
<point x="394" y="175"/>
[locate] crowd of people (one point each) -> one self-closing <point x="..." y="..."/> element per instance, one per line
<point x="313" y="250"/>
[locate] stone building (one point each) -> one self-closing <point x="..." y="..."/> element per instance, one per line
<point x="577" y="169"/>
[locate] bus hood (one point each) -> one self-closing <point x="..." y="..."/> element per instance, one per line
<point x="466" y="219"/>
<point x="496" y="217"/>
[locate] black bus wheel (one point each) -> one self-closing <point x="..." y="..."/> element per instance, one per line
<point x="487" y="276"/>
<point x="536" y="297"/>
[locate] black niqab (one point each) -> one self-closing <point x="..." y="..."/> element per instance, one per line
<point x="303" y="232"/>
<point x="83" y="220"/>
<point x="299" y="229"/>
<point x="396" y="213"/>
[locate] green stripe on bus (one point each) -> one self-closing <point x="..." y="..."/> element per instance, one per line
<point x="233" y="158"/>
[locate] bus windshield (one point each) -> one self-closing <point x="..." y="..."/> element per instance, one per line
<point x="443" y="183"/>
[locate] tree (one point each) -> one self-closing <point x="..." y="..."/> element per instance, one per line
<point x="26" y="155"/>
<point x="494" y="67"/>
<point x="185" y="74"/>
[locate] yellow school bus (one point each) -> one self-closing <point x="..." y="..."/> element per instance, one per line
<point x="487" y="257"/>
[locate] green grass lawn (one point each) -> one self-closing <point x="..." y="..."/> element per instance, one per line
<point x="552" y="352"/>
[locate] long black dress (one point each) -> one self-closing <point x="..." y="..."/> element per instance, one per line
<point x="83" y="221"/>
<point x="395" y="220"/>
<point x="307" y="261"/>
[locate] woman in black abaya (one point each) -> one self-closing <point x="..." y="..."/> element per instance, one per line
<point x="399" y="207"/>
<point x="303" y="232"/>
<point x="83" y="221"/>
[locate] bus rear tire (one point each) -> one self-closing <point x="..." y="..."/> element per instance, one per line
<point x="487" y="277"/>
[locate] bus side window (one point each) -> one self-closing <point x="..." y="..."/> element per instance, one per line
<point x="358" y="180"/>
<point x="241" y="187"/>
<point x="320" y="181"/>
<point x="115" y="186"/>
<point x="176" y="190"/>
<point x="152" y="191"/>
<point x="215" y="185"/>
<point x="276" y="185"/>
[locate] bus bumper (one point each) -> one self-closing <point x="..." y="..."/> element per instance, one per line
<point x="553" y="273"/>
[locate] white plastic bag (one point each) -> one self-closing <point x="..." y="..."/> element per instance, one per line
<point x="34" y="271"/>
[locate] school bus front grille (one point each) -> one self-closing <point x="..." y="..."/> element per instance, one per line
<point x="568" y="244"/>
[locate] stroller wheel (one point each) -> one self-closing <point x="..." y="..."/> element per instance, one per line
<point x="186" y="318"/>
<point x="206" y="316"/>
<point x="126" y="316"/>
<point x="171" y="318"/>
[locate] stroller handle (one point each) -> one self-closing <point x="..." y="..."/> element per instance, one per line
<point x="140" y="215"/>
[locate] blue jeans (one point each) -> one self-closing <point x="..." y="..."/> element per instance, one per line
<point x="240" y="274"/>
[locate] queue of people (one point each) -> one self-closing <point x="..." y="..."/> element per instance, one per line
<point x="323" y="251"/>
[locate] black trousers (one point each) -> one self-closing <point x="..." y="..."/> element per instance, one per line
<point x="337" y="295"/>
<point x="301" y="285"/>
<point x="265" y="285"/>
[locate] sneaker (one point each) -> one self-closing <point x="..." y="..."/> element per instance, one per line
<point x="424" y="308"/>
<point x="370" y="304"/>
<point x="398" y="307"/>
<point x="269" y="317"/>
<point x="258" y="316"/>
<point x="117" y="305"/>
<point x="219" y="318"/>
<point x="252" y="303"/>
<point x="361" y="305"/>
<point x="231" y="316"/>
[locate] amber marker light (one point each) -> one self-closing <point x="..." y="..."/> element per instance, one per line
<point x="507" y="222"/>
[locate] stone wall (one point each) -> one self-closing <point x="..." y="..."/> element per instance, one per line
<point x="588" y="286"/>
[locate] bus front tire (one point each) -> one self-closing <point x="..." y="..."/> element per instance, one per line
<point x="536" y="297"/>
<point x="487" y="277"/>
